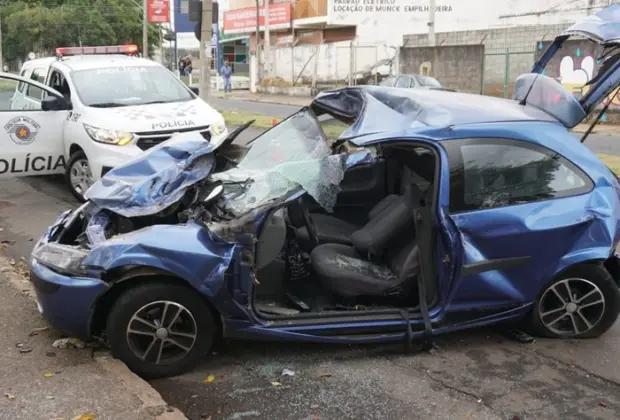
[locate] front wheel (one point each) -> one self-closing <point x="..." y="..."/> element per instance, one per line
<point x="78" y="175"/>
<point x="160" y="329"/>
<point x="582" y="303"/>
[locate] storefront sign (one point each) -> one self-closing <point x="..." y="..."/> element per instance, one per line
<point x="244" y="20"/>
<point x="158" y="11"/>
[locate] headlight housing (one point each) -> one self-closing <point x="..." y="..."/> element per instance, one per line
<point x="218" y="128"/>
<point x="102" y="135"/>
<point x="61" y="258"/>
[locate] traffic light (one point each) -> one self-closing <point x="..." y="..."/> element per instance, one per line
<point x="195" y="15"/>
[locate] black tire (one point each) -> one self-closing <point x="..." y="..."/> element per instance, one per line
<point x="74" y="158"/>
<point x="139" y="296"/>
<point x="597" y="275"/>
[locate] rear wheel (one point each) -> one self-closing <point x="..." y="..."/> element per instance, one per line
<point x="78" y="174"/>
<point x="582" y="303"/>
<point x="160" y="329"/>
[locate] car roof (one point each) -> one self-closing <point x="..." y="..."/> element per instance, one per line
<point x="380" y="109"/>
<point x="90" y="62"/>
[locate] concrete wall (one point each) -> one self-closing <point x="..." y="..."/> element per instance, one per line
<point x="509" y="52"/>
<point x="457" y="66"/>
<point x="334" y="61"/>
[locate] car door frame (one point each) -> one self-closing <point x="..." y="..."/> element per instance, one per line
<point x="477" y="274"/>
<point x="33" y="157"/>
<point x="402" y="76"/>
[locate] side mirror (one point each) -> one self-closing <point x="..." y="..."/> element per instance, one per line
<point x="215" y="193"/>
<point x="195" y="90"/>
<point x="54" y="103"/>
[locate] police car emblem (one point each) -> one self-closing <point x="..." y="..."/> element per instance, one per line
<point x="22" y="130"/>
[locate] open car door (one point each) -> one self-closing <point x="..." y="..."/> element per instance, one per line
<point x="602" y="28"/>
<point x="31" y="131"/>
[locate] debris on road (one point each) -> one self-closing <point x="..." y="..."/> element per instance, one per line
<point x="275" y="383"/>
<point x="48" y="374"/>
<point x="209" y="379"/>
<point x="288" y="372"/>
<point x="36" y="331"/>
<point x="50" y="354"/>
<point x="603" y="404"/>
<point x="85" y="416"/>
<point x="64" y="343"/>
<point x="10" y="397"/>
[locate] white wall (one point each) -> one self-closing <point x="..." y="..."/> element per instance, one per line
<point x="388" y="26"/>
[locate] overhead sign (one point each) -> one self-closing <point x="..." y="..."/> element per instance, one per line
<point x="244" y="20"/>
<point x="158" y="11"/>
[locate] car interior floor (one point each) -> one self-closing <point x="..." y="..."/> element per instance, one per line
<point x="351" y="266"/>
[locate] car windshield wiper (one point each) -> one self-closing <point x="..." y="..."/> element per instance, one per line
<point x="107" y="105"/>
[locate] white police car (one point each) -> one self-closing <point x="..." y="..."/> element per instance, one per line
<point x="93" y="108"/>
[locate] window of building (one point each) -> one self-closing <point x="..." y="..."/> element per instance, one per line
<point x="489" y="173"/>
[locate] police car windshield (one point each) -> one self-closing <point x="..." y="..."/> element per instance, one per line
<point x="131" y="85"/>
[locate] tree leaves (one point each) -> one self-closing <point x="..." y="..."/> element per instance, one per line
<point x="43" y="25"/>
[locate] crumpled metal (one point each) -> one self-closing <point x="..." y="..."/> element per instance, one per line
<point x="156" y="179"/>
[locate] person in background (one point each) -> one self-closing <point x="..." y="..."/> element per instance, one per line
<point x="226" y="75"/>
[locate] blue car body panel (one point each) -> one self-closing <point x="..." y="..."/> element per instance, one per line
<point x="473" y="287"/>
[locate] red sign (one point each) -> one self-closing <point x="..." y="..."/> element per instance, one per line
<point x="244" y="20"/>
<point x="158" y="11"/>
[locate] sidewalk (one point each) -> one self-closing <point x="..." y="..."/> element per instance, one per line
<point x="40" y="382"/>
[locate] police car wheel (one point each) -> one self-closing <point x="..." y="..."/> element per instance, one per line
<point x="78" y="175"/>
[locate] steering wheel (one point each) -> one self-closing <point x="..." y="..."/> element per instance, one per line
<point x="305" y="214"/>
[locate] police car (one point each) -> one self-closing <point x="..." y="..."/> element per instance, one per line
<point x="90" y="109"/>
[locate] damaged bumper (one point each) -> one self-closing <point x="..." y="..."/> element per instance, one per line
<point x="66" y="302"/>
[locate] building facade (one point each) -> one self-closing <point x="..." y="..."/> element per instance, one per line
<point x="346" y="36"/>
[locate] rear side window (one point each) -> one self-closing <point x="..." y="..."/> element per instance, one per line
<point x="22" y="85"/>
<point x="34" y="92"/>
<point x="388" y="82"/>
<point x="403" y="82"/>
<point x="490" y="173"/>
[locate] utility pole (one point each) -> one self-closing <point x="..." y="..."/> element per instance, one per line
<point x="266" y="49"/>
<point x="145" y="30"/>
<point x="431" y="23"/>
<point x="205" y="49"/>
<point x="1" y="56"/>
<point x="259" y="65"/>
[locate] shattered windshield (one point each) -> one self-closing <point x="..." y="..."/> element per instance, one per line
<point x="292" y="155"/>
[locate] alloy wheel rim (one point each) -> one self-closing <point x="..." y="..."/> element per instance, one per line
<point x="80" y="176"/>
<point x="571" y="306"/>
<point x="162" y="332"/>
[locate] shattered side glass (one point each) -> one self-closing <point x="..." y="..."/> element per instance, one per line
<point x="290" y="156"/>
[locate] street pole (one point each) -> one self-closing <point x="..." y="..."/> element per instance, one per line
<point x="145" y="30"/>
<point x="266" y="50"/>
<point x="259" y="65"/>
<point x="431" y="23"/>
<point x="1" y="56"/>
<point x="205" y="49"/>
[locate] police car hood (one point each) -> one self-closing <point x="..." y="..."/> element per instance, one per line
<point x="172" y="116"/>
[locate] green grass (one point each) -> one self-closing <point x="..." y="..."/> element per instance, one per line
<point x="7" y="84"/>
<point x="263" y="122"/>
<point x="612" y="162"/>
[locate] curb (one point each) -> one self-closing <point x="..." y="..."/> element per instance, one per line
<point x="152" y="402"/>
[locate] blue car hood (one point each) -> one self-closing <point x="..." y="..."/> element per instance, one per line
<point x="156" y="179"/>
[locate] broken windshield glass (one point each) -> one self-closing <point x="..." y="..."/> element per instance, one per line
<point x="292" y="155"/>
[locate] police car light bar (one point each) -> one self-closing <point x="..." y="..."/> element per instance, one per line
<point x="109" y="49"/>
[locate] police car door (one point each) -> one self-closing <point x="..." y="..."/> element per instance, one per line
<point x="31" y="139"/>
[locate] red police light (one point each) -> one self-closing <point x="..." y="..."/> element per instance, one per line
<point x="131" y="49"/>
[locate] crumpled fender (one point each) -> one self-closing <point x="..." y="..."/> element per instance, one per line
<point x="189" y="251"/>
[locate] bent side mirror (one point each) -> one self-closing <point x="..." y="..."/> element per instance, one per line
<point x="54" y="103"/>
<point x="195" y="90"/>
<point x="215" y="193"/>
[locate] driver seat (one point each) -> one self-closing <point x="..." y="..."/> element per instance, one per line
<point x="375" y="266"/>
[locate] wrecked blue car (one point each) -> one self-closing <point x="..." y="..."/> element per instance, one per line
<point x="432" y="212"/>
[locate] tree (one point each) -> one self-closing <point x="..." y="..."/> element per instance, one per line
<point x="43" y="25"/>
